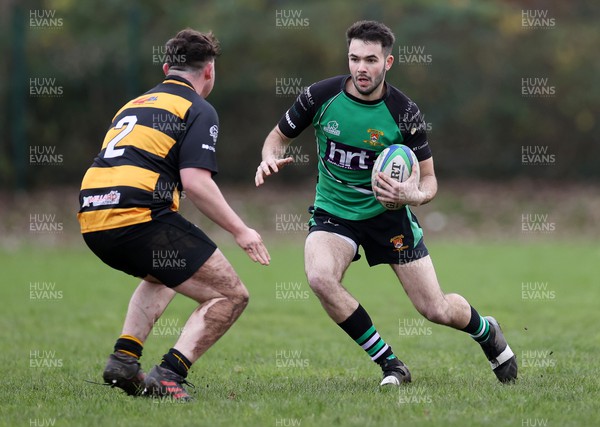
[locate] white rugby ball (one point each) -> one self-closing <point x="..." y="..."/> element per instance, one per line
<point x="397" y="161"/>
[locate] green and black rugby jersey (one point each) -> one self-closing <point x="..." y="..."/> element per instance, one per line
<point x="350" y="134"/>
<point x="135" y="177"/>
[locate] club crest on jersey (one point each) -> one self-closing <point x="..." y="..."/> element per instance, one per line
<point x="398" y="242"/>
<point x="374" y="135"/>
<point x="332" y="128"/>
<point x="146" y="100"/>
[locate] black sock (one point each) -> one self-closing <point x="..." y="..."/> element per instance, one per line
<point x="129" y="345"/>
<point x="360" y="328"/>
<point x="478" y="327"/>
<point x="176" y="362"/>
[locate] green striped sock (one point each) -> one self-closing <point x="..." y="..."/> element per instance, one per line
<point x="373" y="344"/>
<point x="360" y="328"/>
<point x="478" y="327"/>
<point x="483" y="332"/>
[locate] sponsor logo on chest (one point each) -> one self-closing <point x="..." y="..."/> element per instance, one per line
<point x="348" y="156"/>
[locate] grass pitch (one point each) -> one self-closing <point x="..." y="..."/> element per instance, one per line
<point x="286" y="364"/>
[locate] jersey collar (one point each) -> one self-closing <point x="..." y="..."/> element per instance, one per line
<point x="178" y="80"/>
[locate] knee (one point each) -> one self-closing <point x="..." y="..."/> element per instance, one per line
<point x="241" y="296"/>
<point x="319" y="282"/>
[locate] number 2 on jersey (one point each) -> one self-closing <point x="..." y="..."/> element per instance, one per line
<point x="110" y="151"/>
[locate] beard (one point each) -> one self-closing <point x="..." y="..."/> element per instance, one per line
<point x="375" y="84"/>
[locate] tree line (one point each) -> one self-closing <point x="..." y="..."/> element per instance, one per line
<point x="506" y="88"/>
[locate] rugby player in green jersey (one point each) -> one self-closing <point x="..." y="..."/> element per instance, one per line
<point x="355" y="117"/>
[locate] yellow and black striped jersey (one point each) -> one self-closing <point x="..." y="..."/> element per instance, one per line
<point x="135" y="177"/>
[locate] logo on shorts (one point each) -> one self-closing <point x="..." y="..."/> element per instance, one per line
<point x="398" y="243"/>
<point x="330" y="222"/>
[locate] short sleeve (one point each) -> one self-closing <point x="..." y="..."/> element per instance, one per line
<point x="414" y="131"/>
<point x="410" y="122"/>
<point x="300" y="115"/>
<point x="198" y="144"/>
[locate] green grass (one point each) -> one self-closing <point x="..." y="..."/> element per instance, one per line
<point x="240" y="381"/>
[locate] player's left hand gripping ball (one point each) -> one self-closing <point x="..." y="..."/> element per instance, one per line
<point x="398" y="162"/>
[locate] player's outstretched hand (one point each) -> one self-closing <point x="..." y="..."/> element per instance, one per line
<point x="407" y="192"/>
<point x="269" y="166"/>
<point x="251" y="242"/>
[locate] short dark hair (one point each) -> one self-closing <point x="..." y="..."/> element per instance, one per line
<point x="190" y="50"/>
<point x="372" y="31"/>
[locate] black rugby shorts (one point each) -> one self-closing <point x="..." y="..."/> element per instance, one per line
<point x="170" y="248"/>
<point x="393" y="237"/>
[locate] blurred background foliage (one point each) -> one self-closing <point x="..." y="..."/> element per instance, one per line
<point x="470" y="92"/>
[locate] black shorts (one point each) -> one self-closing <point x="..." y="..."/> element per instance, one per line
<point x="169" y="248"/>
<point x="393" y="237"/>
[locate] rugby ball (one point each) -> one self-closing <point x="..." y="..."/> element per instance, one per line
<point x="396" y="161"/>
